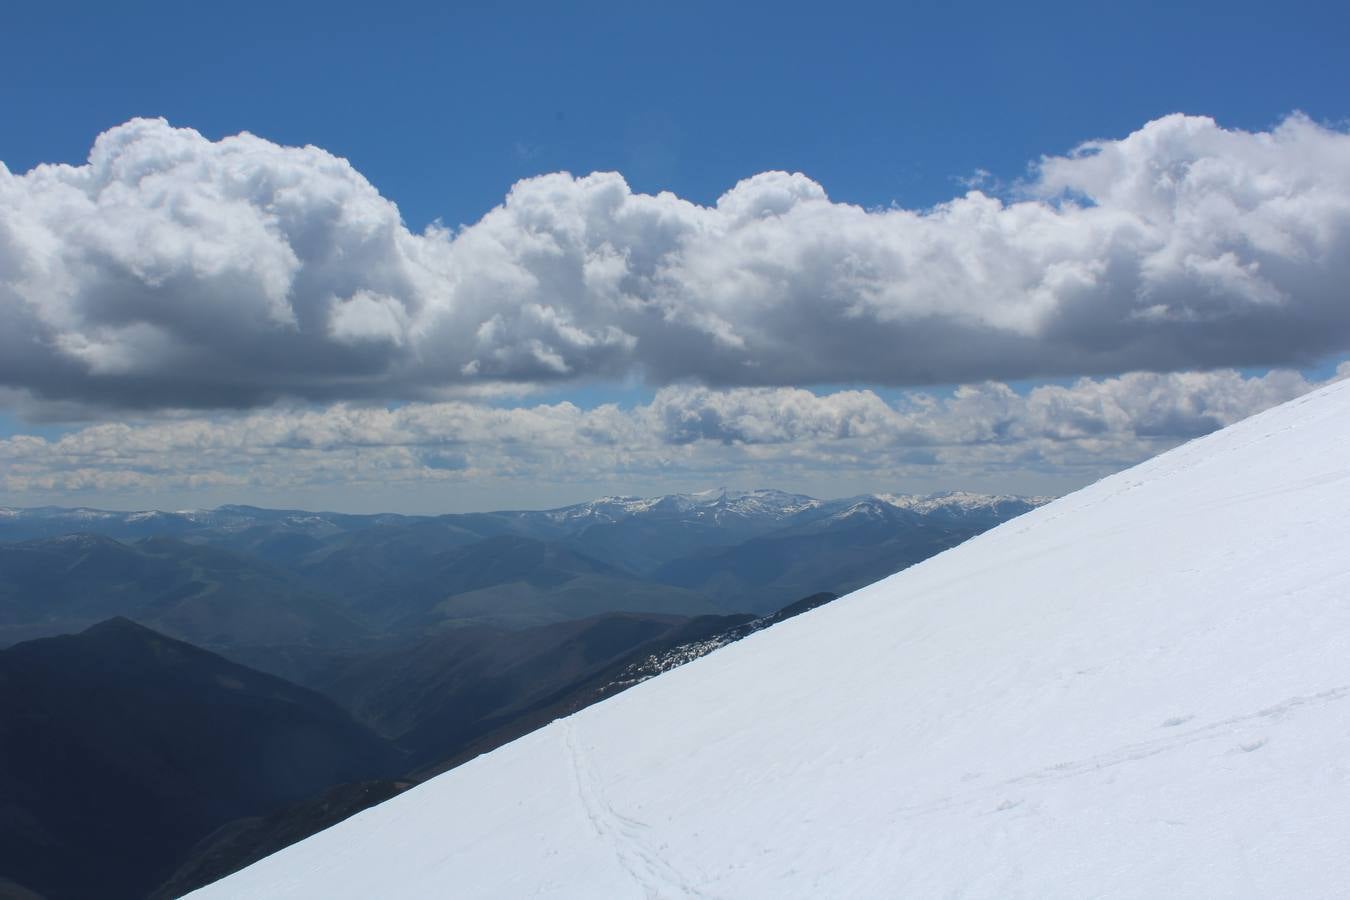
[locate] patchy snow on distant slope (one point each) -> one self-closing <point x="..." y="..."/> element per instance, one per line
<point x="714" y="503"/>
<point x="960" y="501"/>
<point x="1140" y="690"/>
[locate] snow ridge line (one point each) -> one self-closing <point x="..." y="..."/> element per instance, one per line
<point x="657" y="878"/>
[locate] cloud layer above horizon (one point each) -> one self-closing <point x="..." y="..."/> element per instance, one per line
<point x="174" y="272"/>
<point x="752" y="436"/>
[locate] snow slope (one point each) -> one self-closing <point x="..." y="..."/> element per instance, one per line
<point x="1140" y="690"/>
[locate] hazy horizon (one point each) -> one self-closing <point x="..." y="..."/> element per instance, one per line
<point x="584" y="499"/>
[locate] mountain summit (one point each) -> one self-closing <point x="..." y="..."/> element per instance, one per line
<point x="1139" y="689"/>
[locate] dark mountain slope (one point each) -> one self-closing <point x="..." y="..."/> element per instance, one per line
<point x="120" y="748"/>
<point x="359" y="563"/>
<point x="244" y="841"/>
<point x="692" y="639"/>
<point x="442" y="693"/>
<point x="505" y="580"/>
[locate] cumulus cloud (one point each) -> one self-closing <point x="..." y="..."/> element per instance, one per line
<point x="768" y="435"/>
<point x="171" y="271"/>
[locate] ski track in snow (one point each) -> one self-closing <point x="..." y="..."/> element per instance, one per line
<point x="656" y="877"/>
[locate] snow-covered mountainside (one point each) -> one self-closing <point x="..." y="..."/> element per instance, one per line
<point x="1139" y="690"/>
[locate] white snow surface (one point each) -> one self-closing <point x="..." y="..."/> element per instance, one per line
<point x="1139" y="690"/>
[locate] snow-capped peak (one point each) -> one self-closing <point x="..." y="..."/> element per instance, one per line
<point x="963" y="501"/>
<point x="716" y="502"/>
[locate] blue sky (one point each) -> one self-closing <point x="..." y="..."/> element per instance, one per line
<point x="443" y="106"/>
<point x="266" y="329"/>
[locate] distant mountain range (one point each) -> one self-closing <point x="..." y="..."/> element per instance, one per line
<point x="721" y="516"/>
<point x="237" y="578"/>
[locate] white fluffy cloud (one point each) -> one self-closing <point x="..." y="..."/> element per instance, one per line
<point x="171" y="271"/>
<point x="760" y="435"/>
